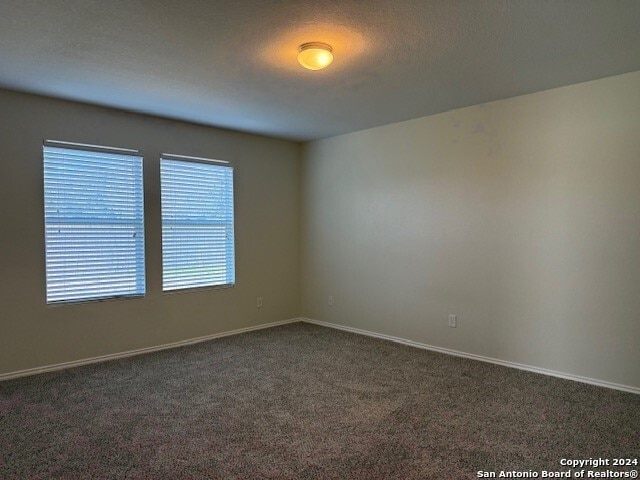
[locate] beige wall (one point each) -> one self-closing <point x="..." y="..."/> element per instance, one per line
<point x="520" y="216"/>
<point x="267" y="236"/>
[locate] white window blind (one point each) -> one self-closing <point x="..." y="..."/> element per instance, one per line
<point x="94" y="224"/>
<point x="197" y="224"/>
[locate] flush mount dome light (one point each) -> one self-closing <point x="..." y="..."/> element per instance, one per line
<point x="315" y="55"/>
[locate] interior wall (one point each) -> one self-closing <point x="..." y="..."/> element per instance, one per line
<point x="267" y="181"/>
<point x="521" y="217"/>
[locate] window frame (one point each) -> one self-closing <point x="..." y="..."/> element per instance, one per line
<point x="201" y="161"/>
<point x="91" y="148"/>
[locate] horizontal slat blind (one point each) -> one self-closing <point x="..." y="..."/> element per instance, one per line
<point x="197" y="224"/>
<point x="94" y="224"/>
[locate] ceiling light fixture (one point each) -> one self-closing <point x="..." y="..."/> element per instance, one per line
<point x="315" y="55"/>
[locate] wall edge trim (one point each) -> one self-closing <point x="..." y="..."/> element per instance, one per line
<point x="481" y="358"/>
<point x="138" y="351"/>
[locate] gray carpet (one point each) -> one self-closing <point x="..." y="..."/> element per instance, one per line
<point x="304" y="402"/>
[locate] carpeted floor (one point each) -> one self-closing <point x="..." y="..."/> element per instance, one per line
<point x="304" y="402"/>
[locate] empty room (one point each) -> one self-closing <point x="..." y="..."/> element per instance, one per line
<point x="333" y="239"/>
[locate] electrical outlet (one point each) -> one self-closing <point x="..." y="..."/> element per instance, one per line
<point x="453" y="321"/>
<point x="330" y="300"/>
<point x="259" y="302"/>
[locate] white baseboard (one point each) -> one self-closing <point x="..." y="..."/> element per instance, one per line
<point x="411" y="343"/>
<point x="139" y="351"/>
<point x="505" y="363"/>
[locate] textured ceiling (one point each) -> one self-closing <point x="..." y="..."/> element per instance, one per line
<point x="233" y="63"/>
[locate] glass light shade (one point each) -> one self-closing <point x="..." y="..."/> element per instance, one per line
<point x="315" y="55"/>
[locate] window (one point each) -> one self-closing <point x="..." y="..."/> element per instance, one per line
<point x="197" y="224"/>
<point x="94" y="222"/>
